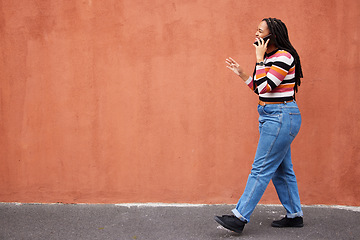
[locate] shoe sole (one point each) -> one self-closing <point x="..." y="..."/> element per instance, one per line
<point x="280" y="226"/>
<point x="226" y="226"/>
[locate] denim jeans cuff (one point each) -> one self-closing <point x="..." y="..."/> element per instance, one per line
<point x="238" y="215"/>
<point x="294" y="215"/>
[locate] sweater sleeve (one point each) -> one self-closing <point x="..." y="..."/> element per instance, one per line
<point x="250" y="83"/>
<point x="267" y="80"/>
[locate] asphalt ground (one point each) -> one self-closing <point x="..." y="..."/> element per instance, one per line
<point x="170" y="222"/>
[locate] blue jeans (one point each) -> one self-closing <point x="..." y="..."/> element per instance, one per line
<point x="278" y="126"/>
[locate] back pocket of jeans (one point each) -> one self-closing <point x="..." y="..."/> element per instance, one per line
<point x="295" y="123"/>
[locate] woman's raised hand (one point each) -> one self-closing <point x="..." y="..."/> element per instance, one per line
<point x="233" y="66"/>
<point x="261" y="48"/>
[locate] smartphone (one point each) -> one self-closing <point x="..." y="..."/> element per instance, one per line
<point x="264" y="38"/>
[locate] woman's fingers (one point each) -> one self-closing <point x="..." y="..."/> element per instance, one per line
<point x="267" y="42"/>
<point x="229" y="60"/>
<point x="232" y="61"/>
<point x="231" y="64"/>
<point x="261" y="42"/>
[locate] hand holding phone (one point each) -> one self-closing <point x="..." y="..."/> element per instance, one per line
<point x="264" y="38"/>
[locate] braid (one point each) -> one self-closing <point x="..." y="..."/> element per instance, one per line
<point x="278" y="28"/>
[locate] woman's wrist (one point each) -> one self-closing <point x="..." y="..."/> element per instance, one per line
<point x="244" y="76"/>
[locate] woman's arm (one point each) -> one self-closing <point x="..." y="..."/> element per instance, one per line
<point x="267" y="80"/>
<point x="235" y="67"/>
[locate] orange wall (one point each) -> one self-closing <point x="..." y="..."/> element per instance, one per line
<point x="130" y="101"/>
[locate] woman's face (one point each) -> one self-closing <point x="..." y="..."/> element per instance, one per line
<point x="262" y="30"/>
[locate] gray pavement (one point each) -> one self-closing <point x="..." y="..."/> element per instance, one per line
<point x="179" y="222"/>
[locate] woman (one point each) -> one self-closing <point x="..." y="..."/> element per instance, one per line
<point x="275" y="79"/>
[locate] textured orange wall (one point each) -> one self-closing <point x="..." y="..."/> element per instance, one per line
<point x="130" y="101"/>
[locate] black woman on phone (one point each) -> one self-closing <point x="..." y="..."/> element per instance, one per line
<point x="275" y="80"/>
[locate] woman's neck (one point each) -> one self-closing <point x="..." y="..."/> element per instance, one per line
<point x="271" y="48"/>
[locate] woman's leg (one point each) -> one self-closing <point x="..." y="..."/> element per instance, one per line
<point x="271" y="150"/>
<point x="286" y="187"/>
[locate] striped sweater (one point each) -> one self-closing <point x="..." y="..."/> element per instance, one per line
<point x="275" y="81"/>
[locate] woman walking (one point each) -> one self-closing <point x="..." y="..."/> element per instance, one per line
<point x="275" y="79"/>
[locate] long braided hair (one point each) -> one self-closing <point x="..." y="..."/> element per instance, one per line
<point x="278" y="28"/>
